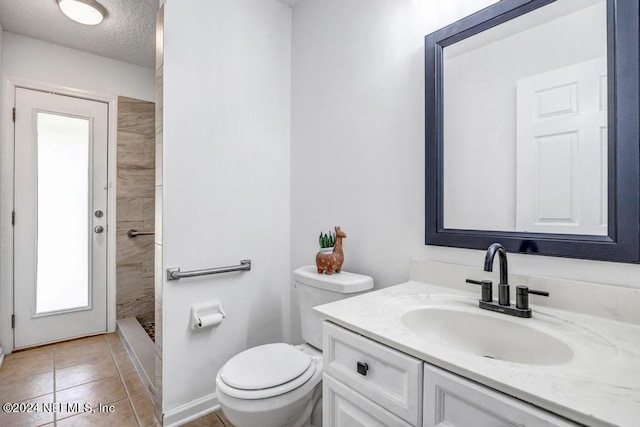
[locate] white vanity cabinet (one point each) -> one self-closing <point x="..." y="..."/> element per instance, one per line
<point x="368" y="384"/>
<point x="453" y="401"/>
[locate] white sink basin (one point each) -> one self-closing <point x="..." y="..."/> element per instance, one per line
<point x="440" y="321"/>
<point x="486" y="336"/>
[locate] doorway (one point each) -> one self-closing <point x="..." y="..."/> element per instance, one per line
<point x="60" y="222"/>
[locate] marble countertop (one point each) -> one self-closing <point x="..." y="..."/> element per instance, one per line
<point x="599" y="387"/>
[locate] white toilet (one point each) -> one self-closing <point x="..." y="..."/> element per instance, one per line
<point x="280" y="385"/>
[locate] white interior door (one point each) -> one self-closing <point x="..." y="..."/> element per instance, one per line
<point x="562" y="150"/>
<point x="60" y="203"/>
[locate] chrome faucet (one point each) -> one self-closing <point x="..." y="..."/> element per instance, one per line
<point x="504" y="300"/>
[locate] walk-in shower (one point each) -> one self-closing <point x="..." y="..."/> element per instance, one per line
<point x="135" y="226"/>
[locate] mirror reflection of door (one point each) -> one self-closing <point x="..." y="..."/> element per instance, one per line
<point x="60" y="238"/>
<point x="480" y="123"/>
<point x="561" y="150"/>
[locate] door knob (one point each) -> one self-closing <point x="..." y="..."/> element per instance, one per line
<point x="98" y="229"/>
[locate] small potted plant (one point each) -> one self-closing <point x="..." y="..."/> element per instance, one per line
<point x="327" y="241"/>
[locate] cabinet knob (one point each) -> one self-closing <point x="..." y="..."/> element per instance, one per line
<point x="362" y="368"/>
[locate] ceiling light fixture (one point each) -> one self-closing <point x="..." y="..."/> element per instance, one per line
<point x="87" y="12"/>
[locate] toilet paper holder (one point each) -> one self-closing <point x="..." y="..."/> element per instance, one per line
<point x="206" y="315"/>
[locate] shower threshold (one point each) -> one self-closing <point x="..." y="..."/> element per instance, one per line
<point x="140" y="348"/>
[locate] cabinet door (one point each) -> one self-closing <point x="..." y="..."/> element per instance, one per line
<point x="344" y="407"/>
<point x="384" y="375"/>
<point x="452" y="401"/>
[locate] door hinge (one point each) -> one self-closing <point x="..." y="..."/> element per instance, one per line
<point x="14" y="114"/>
<point x="13" y="217"/>
<point x="13" y="321"/>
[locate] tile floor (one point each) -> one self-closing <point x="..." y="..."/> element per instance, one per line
<point x="215" y="419"/>
<point x="88" y="372"/>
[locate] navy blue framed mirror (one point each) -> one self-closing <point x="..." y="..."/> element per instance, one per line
<point x="532" y="132"/>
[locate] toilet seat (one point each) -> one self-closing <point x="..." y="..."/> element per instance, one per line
<point x="266" y="371"/>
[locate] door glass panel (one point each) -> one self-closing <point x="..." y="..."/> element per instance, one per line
<point x="63" y="213"/>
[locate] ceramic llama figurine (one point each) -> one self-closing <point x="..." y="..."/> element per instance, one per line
<point x="332" y="263"/>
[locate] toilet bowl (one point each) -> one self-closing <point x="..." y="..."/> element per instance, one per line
<point x="280" y="385"/>
<point x="285" y="399"/>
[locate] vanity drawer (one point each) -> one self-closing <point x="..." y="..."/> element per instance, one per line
<point x="386" y="376"/>
<point x="453" y="401"/>
<point x="344" y="407"/>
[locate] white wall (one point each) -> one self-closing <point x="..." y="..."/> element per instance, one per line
<point x="226" y="182"/>
<point x="358" y="128"/>
<point x="358" y="140"/>
<point x="32" y="60"/>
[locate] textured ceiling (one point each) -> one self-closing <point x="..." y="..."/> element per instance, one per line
<point x="290" y="3"/>
<point x="127" y="34"/>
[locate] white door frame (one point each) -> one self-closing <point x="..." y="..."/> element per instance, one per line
<point x="7" y="190"/>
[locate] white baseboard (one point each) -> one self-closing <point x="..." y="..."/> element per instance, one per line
<point x="191" y="411"/>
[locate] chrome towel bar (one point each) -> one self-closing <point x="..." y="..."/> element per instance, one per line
<point x="134" y="233"/>
<point x="176" y="274"/>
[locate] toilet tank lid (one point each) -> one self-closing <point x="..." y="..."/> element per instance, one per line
<point x="343" y="282"/>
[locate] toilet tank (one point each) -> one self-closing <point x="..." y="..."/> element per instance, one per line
<point x="316" y="289"/>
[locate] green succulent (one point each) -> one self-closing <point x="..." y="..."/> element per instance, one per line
<point x="327" y="240"/>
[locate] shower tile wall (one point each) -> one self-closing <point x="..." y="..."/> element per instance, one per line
<point x="135" y="208"/>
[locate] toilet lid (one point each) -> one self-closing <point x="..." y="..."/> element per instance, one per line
<point x="265" y="366"/>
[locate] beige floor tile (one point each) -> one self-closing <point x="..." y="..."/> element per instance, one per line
<point x="86" y="372"/>
<point x="104" y="391"/>
<point x="122" y="416"/>
<point x="21" y="387"/>
<point x="34" y="412"/>
<point x="209" y="420"/>
<point x="144" y="409"/>
<point x="133" y="383"/>
<point x="80" y="342"/>
<point x="75" y="355"/>
<point x="95" y="370"/>
<point x="124" y="363"/>
<point x="117" y="347"/>
<point x="34" y="363"/>
<point x="223" y="418"/>
<point x="154" y="423"/>
<point x="45" y="349"/>
<point x="113" y="338"/>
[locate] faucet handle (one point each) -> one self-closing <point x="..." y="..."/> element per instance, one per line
<point x="487" y="288"/>
<point x="522" y="296"/>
